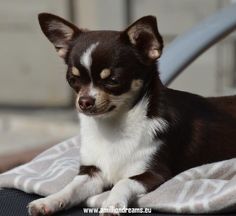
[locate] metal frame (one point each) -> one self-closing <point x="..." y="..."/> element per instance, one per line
<point x="186" y="48"/>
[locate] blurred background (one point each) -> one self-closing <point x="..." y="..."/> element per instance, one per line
<point x="36" y="104"/>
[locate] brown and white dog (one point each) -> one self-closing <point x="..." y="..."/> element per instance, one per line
<point x="135" y="132"/>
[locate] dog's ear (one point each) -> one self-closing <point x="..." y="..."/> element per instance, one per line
<point x="144" y="35"/>
<point x="59" y="31"/>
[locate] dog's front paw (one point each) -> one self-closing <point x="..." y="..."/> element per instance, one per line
<point x="38" y="207"/>
<point x="44" y="206"/>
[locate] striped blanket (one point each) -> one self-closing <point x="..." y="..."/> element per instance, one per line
<point x="209" y="188"/>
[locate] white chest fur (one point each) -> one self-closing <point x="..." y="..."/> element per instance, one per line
<point x="122" y="146"/>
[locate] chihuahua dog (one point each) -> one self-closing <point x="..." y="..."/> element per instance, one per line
<point x="135" y="132"/>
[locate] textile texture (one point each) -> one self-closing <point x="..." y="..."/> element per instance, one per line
<point x="210" y="188"/>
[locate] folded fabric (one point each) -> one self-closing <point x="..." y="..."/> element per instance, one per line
<point x="210" y="188"/>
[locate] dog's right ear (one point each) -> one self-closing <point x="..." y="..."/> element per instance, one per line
<point x="59" y="31"/>
<point x="144" y="35"/>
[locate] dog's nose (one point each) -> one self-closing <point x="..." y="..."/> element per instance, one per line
<point x="86" y="102"/>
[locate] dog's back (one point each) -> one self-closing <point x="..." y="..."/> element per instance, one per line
<point x="227" y="104"/>
<point x="203" y="130"/>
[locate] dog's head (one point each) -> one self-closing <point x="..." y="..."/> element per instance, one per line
<point x="107" y="69"/>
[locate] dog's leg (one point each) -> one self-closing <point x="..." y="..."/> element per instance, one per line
<point x="127" y="189"/>
<point x="82" y="187"/>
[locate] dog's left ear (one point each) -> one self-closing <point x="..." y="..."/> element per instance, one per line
<point x="144" y="35"/>
<point x="59" y="31"/>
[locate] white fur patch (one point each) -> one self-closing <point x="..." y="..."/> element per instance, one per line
<point x="122" y="193"/>
<point x="122" y="145"/>
<point x="86" y="59"/>
<point x="158" y="124"/>
<point x="79" y="189"/>
<point x="92" y="91"/>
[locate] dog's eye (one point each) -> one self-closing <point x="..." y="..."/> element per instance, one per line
<point x="72" y="80"/>
<point x="112" y="82"/>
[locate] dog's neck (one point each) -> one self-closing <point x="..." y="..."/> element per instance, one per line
<point x="152" y="90"/>
<point x="152" y="85"/>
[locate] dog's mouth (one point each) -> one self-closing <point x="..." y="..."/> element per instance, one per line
<point x="97" y="112"/>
